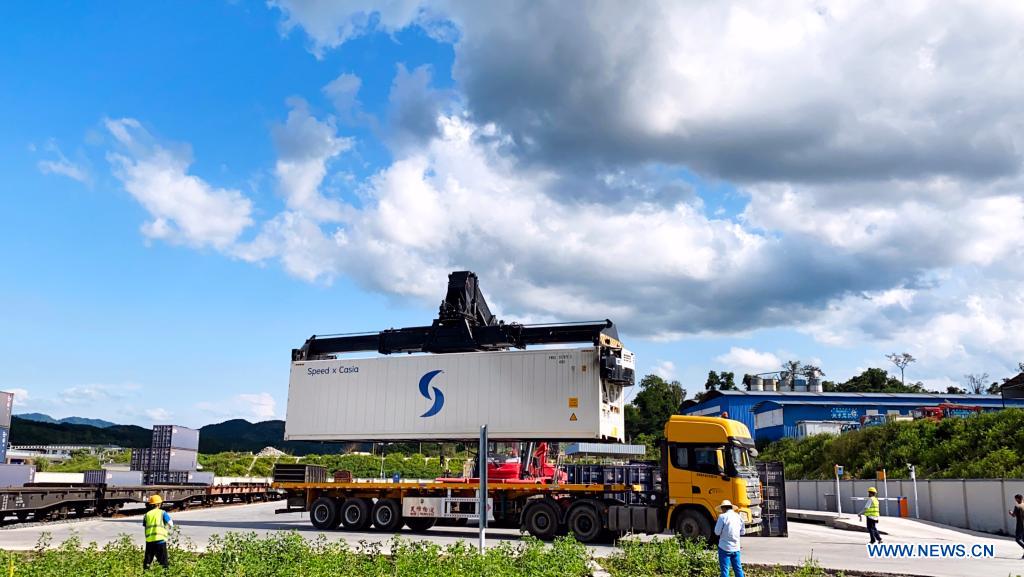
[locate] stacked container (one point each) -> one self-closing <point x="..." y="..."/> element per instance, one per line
<point x="6" y="406"/>
<point x="172" y="458"/>
<point x="17" y="475"/>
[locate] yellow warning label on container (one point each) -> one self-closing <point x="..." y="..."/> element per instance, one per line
<point x="572" y="417"/>
<point x="574" y="402"/>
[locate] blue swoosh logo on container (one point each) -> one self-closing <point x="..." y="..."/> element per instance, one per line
<point x="438" y="396"/>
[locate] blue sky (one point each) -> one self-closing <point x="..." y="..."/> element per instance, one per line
<point x="186" y="197"/>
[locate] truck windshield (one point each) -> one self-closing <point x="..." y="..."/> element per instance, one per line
<point x="740" y="461"/>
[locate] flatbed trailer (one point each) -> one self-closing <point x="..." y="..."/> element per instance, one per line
<point x="592" y="512"/>
<point x="50" y="501"/>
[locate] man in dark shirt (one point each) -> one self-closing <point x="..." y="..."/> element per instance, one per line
<point x="1018" y="513"/>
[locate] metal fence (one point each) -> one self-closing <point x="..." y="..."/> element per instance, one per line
<point x="976" y="504"/>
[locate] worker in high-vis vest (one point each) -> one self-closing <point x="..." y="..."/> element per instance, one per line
<point x="157" y="523"/>
<point x="870" y="511"/>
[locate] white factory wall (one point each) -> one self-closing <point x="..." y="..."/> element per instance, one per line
<point x="976" y="504"/>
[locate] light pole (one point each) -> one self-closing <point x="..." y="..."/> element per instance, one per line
<point x="839" y="500"/>
<point x="913" y="477"/>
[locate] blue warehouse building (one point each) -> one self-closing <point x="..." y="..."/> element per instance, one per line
<point x="772" y="415"/>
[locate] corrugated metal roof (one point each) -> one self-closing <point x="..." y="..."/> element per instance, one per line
<point x="994" y="402"/>
<point x="935" y="395"/>
<point x="615" y="450"/>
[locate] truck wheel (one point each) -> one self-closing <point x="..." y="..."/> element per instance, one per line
<point x="420" y="524"/>
<point x="541" y="521"/>
<point x="324" y="513"/>
<point x="387" y="515"/>
<point x="355" y="514"/>
<point x="692" y="524"/>
<point x="585" y="524"/>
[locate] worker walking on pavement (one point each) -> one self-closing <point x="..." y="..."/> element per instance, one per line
<point x="1018" y="513"/>
<point x="729" y="528"/>
<point x="870" y="511"/>
<point x="157" y="523"/>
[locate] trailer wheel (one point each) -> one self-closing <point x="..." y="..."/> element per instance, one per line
<point x="387" y="515"/>
<point x="692" y="524"/>
<point x="324" y="513"/>
<point x="355" y="514"/>
<point x="420" y="524"/>
<point x="541" y="521"/>
<point x="585" y="524"/>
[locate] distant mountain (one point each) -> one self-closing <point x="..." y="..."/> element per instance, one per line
<point x="234" y="435"/>
<point x="241" y="435"/>
<point x="41" y="418"/>
<point x="29" y="432"/>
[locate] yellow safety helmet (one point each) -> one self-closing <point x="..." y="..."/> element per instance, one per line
<point x="872" y="490"/>
<point x="155" y="499"/>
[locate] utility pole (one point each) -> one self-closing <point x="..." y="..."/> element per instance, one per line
<point x="481" y="507"/>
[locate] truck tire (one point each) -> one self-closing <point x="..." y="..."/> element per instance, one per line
<point x="585" y="524"/>
<point x="541" y="521"/>
<point x="420" y="524"/>
<point x="692" y="524"/>
<point x="323" y="513"/>
<point x="387" y="515"/>
<point x="355" y="514"/>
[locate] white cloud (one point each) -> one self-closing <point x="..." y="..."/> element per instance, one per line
<point x="343" y="92"/>
<point x="664" y="369"/>
<point x="60" y="164"/>
<point x="305" y="145"/>
<point x="158" y="415"/>
<point x="21" y="396"/>
<point x="184" y="208"/>
<point x="250" y="406"/>
<point x="743" y="361"/>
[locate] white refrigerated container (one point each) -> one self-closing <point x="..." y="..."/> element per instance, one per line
<point x="544" y="394"/>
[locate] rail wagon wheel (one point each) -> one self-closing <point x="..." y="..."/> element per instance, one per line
<point x="323" y="514"/>
<point x="355" y="514"/>
<point x="387" y="515"/>
<point x="692" y="524"/>
<point x="541" y="521"/>
<point x="420" y="524"/>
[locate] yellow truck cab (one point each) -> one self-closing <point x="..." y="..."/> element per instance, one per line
<point x="708" y="460"/>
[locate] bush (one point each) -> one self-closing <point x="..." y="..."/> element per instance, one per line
<point x="986" y="445"/>
<point x="288" y="554"/>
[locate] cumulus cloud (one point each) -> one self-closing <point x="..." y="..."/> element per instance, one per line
<point x="744" y="361"/>
<point x="184" y="208"/>
<point x="783" y="91"/>
<point x="157" y="415"/>
<point x="305" y="145"/>
<point x="664" y="369"/>
<point x="343" y="92"/>
<point x="250" y="406"/>
<point x="22" y="398"/>
<point x="878" y="182"/>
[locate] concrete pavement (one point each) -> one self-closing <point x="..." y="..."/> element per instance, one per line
<point x="830" y="547"/>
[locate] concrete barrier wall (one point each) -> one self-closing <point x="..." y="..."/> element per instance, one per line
<point x="976" y="504"/>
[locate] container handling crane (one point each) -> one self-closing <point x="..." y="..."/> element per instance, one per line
<point x="465" y="323"/>
<point x="474" y="376"/>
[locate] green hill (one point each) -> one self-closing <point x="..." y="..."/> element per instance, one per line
<point x="984" y="446"/>
<point x="28" y="432"/>
<point x="234" y="435"/>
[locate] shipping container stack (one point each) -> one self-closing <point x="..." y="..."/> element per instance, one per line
<point x="172" y="458"/>
<point x="6" y="406"/>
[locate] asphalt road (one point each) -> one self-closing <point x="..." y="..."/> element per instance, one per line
<point x="830" y="547"/>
